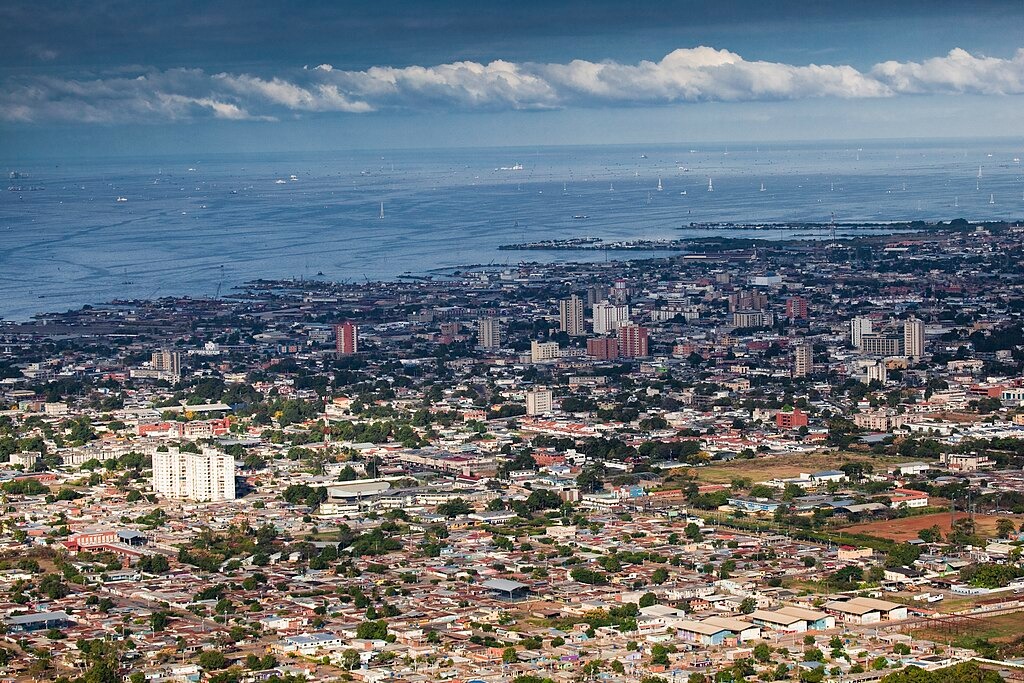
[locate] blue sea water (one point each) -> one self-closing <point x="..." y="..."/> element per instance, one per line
<point x="201" y="225"/>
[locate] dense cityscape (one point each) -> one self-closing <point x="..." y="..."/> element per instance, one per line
<point x="796" y="460"/>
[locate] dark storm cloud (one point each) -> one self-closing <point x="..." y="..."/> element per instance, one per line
<point x="359" y="34"/>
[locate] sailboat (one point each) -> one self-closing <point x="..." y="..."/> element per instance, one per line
<point x="956" y="202"/>
<point x="979" y="171"/>
<point x="564" y="191"/>
<point x="381" y="211"/>
<point x="991" y="199"/>
<point x="831" y="187"/>
<point x="711" y="187"/>
<point x="611" y="187"/>
<point x="762" y="188"/>
<point x="660" y="188"/>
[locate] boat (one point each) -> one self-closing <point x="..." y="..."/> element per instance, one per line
<point x="762" y="188"/>
<point x="381" y="211"/>
<point x="513" y="167"/>
<point x="580" y="217"/>
<point x="683" y="192"/>
<point x="660" y="188"/>
<point x="979" y="171"/>
<point x="280" y="181"/>
<point x="121" y="200"/>
<point x="711" y="187"/>
<point x="611" y="187"/>
<point x="956" y="202"/>
<point x="991" y="199"/>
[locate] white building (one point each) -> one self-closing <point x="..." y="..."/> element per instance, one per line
<point x="913" y="338"/>
<point x="803" y="360"/>
<point x="570" y="316"/>
<point x="858" y="328"/>
<point x="609" y="317"/>
<point x="543" y="351"/>
<point x="539" y="402"/>
<point x="208" y="476"/>
<point x="488" y="333"/>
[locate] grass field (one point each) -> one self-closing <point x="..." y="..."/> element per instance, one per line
<point x="907" y="529"/>
<point x="763" y="468"/>
<point x="1003" y="628"/>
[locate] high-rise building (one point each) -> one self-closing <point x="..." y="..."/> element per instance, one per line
<point x="620" y="292"/>
<point x="167" y="363"/>
<point x="208" y="476"/>
<point x="913" y="338"/>
<point x="488" y="333"/>
<point x="543" y="351"/>
<point x="877" y="371"/>
<point x="881" y="344"/>
<point x="539" y="402"/>
<point x="603" y="348"/>
<point x="608" y="317"/>
<point x="803" y="360"/>
<point x="633" y="341"/>
<point x="753" y="319"/>
<point x="570" y="316"/>
<point x="346" y="338"/>
<point x="796" y="308"/>
<point x="858" y="328"/>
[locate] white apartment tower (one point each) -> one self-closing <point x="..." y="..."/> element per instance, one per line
<point x="539" y="402"/>
<point x="488" y="333"/>
<point x="803" y="360"/>
<point x="858" y="328"/>
<point x="913" y="338"/>
<point x="570" y="316"/>
<point x="609" y="317"/>
<point x="206" y="477"/>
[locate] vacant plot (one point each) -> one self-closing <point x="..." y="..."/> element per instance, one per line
<point x="766" y="467"/>
<point x="1002" y="628"/>
<point x="907" y="529"/>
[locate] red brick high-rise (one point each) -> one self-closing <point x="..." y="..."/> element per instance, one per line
<point x="796" y="308"/>
<point x="632" y="341"/>
<point x="603" y="348"/>
<point x="346" y="338"/>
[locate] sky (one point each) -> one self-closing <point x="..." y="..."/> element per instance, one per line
<point x="110" y="77"/>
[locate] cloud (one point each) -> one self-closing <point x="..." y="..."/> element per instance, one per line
<point x="700" y="74"/>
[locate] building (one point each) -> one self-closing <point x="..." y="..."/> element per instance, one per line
<point x="208" y="476"/>
<point x="543" y="351"/>
<point x="858" y="328"/>
<point x="881" y="344"/>
<point x="608" y="317"/>
<point x="26" y="459"/>
<point x="753" y="319"/>
<point x="539" y="402"/>
<point x="913" y="338"/>
<point x="877" y="371"/>
<point x="167" y="364"/>
<point x="346" y="338"/>
<point x="603" y="348"/>
<point x="803" y="360"/>
<point x="796" y="308"/>
<point x="570" y="316"/>
<point x="488" y="333"/>
<point x="633" y="341"/>
<point x="791" y="419"/>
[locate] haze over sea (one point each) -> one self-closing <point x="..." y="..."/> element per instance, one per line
<point x="200" y="225"/>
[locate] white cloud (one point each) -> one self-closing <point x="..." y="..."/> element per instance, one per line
<point x="697" y="74"/>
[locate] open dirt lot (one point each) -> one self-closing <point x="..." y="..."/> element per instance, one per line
<point x="908" y="528"/>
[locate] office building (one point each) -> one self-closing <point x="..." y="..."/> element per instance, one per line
<point x="913" y="338"/>
<point x="881" y="344"/>
<point x="609" y="317"/>
<point x="803" y="360"/>
<point x="346" y="338"/>
<point x="488" y="333"/>
<point x="753" y="319"/>
<point x="570" y="316"/>
<point x="858" y="328"/>
<point x="632" y="341"/>
<point x="206" y="477"/>
<point x="539" y="402"/>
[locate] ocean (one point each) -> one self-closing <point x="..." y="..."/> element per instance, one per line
<point x="201" y="225"/>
